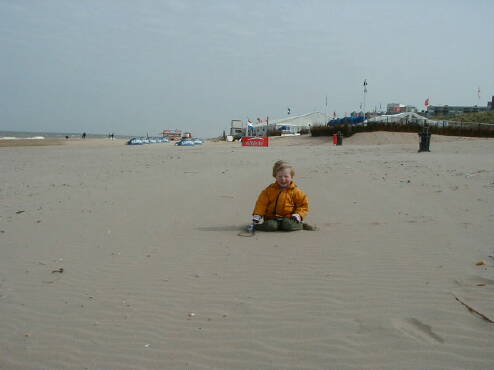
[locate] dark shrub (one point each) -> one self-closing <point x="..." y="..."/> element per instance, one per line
<point x="274" y="133"/>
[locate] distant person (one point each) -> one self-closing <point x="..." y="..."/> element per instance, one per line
<point x="112" y="135"/>
<point x="282" y="205"/>
<point x="66" y="137"/>
<point x="83" y="135"/>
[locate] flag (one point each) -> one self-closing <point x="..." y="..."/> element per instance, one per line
<point x="426" y="103"/>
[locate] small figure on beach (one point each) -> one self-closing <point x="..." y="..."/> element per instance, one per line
<point x="282" y="205"/>
<point x="83" y="135"/>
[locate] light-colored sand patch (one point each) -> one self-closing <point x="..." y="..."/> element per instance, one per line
<point x="365" y="138"/>
<point x="385" y="138"/>
<point x="155" y="276"/>
<point x="30" y="142"/>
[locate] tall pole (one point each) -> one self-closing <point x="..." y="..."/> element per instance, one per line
<point x="326" y="111"/>
<point x="365" y="94"/>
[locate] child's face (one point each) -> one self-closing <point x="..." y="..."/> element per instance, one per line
<point x="284" y="177"/>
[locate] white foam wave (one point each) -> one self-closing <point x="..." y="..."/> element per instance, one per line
<point x="22" y="138"/>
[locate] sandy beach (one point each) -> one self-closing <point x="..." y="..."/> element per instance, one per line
<point x="128" y="257"/>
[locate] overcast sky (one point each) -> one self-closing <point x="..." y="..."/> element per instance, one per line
<point x="133" y="67"/>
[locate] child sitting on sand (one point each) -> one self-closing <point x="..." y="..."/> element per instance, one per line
<point x="282" y="205"/>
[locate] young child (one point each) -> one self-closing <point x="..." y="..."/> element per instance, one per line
<point x="282" y="205"/>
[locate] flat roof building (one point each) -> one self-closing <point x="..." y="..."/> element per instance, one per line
<point x="394" y="108"/>
<point x="449" y="110"/>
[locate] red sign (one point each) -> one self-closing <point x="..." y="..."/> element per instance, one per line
<point x="255" y="141"/>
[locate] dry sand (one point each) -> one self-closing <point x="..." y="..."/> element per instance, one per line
<point x="30" y="142"/>
<point x="155" y="276"/>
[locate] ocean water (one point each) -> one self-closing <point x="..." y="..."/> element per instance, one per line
<point x="47" y="135"/>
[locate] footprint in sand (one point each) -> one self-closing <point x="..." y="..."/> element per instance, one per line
<point x="417" y="330"/>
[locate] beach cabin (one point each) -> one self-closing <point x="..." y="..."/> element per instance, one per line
<point x="172" y="134"/>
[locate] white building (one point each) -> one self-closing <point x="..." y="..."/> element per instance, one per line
<point x="406" y="117"/>
<point x="291" y="125"/>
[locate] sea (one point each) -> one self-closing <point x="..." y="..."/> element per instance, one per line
<point x="12" y="135"/>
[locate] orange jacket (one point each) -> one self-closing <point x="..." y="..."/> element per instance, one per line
<point x="277" y="202"/>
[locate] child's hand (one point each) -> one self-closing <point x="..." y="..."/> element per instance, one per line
<point x="297" y="217"/>
<point x="257" y="219"/>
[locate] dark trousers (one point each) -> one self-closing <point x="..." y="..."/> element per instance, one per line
<point x="280" y="224"/>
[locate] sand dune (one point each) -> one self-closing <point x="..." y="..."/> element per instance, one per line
<point x="155" y="276"/>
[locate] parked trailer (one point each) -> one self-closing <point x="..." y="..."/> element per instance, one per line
<point x="236" y="129"/>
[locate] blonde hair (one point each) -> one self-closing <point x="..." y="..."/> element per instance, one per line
<point x="281" y="165"/>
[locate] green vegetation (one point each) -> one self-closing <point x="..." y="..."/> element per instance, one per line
<point x="451" y="129"/>
<point x="482" y="117"/>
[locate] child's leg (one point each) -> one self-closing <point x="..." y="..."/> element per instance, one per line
<point x="268" y="225"/>
<point x="289" y="224"/>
